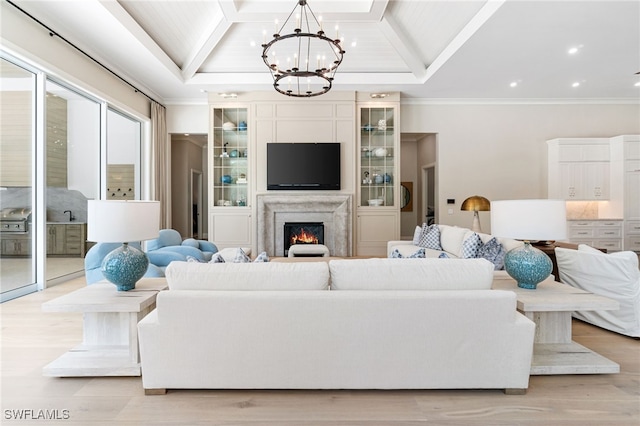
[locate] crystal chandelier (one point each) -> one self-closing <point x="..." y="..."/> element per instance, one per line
<point x="302" y="63"/>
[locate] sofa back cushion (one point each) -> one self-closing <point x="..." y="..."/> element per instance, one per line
<point x="248" y="276"/>
<point x="411" y="274"/>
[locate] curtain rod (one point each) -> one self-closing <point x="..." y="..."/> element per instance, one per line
<point x="53" y="33"/>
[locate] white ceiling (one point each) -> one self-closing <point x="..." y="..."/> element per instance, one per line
<point x="176" y="50"/>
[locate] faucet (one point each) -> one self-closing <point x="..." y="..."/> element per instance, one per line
<point x="71" y="216"/>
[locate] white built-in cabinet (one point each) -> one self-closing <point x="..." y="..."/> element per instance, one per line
<point x="625" y="152"/>
<point x="378" y="185"/>
<point x="230" y="174"/>
<point x="599" y="169"/>
<point x="579" y="169"/>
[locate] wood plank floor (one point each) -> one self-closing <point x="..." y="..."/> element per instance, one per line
<point x="32" y="338"/>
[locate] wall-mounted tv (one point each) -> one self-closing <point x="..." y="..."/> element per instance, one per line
<point x="303" y="166"/>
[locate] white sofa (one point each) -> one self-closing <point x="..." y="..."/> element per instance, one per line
<point x="451" y="241"/>
<point x="614" y="275"/>
<point x="384" y="324"/>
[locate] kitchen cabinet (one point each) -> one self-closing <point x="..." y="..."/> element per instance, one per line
<point x="66" y="239"/>
<point x="605" y="234"/>
<point x="16" y="245"/>
<point x="625" y="175"/>
<point x="378" y="184"/>
<point x="579" y="169"/>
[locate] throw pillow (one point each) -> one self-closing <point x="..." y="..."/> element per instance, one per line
<point x="241" y="257"/>
<point x="430" y="237"/>
<point x="494" y="252"/>
<point x="470" y="246"/>
<point x="420" y="254"/>
<point x="193" y="259"/>
<point x="262" y="257"/>
<point x="443" y="256"/>
<point x="416" y="235"/>
<point x="217" y="258"/>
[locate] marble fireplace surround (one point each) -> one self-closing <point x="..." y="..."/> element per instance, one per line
<point x="334" y="211"/>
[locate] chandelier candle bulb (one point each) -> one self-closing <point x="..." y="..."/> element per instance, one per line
<point x="320" y="22"/>
<point x="297" y="22"/>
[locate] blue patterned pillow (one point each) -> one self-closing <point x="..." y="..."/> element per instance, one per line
<point x="470" y="246"/>
<point x="430" y="237"/>
<point x="418" y="254"/>
<point x="192" y="259"/>
<point x="494" y="252"/>
<point x="241" y="257"/>
<point x="217" y="258"/>
<point x="262" y="257"/>
<point x="443" y="256"/>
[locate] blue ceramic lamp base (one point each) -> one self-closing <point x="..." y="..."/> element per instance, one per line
<point x="124" y="266"/>
<point x="528" y="266"/>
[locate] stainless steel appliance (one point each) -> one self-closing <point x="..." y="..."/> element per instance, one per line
<point x="15" y="220"/>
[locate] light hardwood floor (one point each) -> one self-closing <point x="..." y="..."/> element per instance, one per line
<point x="32" y="338"/>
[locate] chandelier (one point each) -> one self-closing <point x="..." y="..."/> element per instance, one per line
<point x="302" y="63"/>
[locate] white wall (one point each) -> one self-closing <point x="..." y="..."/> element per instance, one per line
<point x="188" y="118"/>
<point x="497" y="151"/>
<point x="500" y="151"/>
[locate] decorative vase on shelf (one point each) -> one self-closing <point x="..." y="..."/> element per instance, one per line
<point x="242" y="125"/>
<point x="226" y="179"/>
<point x="378" y="179"/>
<point x="382" y="124"/>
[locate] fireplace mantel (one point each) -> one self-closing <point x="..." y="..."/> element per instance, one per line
<point x="335" y="211"/>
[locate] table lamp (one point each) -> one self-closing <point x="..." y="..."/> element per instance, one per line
<point x="123" y="221"/>
<point x="529" y="220"/>
<point x="476" y="204"/>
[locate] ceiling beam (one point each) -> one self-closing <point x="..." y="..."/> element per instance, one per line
<point x="480" y="18"/>
<point x="133" y="28"/>
<point x="200" y="53"/>
<point x="394" y="34"/>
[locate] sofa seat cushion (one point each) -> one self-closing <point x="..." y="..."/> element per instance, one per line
<point x="411" y="274"/>
<point x="248" y="276"/>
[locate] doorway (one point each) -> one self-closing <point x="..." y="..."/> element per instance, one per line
<point x="429" y="196"/>
<point x="196" y="206"/>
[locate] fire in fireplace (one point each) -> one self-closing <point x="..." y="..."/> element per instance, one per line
<point x="302" y="233"/>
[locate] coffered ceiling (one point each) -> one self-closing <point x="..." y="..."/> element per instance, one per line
<point x="177" y="50"/>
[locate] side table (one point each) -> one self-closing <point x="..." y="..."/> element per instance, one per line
<point x="110" y="333"/>
<point x="550" y="307"/>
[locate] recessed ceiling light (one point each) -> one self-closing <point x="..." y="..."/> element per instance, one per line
<point x="513" y="84"/>
<point x="228" y="95"/>
<point x="574" y="49"/>
<point x="252" y="43"/>
<point x="186" y="134"/>
<point x="637" y="84"/>
<point x="576" y="84"/>
<point x="378" y="95"/>
<point x="354" y="44"/>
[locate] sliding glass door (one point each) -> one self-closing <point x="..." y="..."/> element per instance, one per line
<point x="17" y="180"/>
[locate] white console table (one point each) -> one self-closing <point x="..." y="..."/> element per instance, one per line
<point x="550" y="307"/>
<point x="110" y="328"/>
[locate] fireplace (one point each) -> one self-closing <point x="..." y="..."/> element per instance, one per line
<point x="302" y="233"/>
<point x="334" y="211"/>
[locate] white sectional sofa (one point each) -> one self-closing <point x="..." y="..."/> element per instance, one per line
<point x="453" y="242"/>
<point x="345" y="324"/>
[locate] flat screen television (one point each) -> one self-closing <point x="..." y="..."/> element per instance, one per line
<point x="303" y="166"/>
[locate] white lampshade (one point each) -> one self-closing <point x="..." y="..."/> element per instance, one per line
<point x="120" y="221"/>
<point x="531" y="220"/>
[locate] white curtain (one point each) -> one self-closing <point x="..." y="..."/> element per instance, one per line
<point x="160" y="143"/>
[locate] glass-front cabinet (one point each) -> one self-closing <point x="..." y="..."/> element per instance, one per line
<point x="377" y="156"/>
<point x="378" y="207"/>
<point x="230" y="176"/>
<point x="230" y="157"/>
